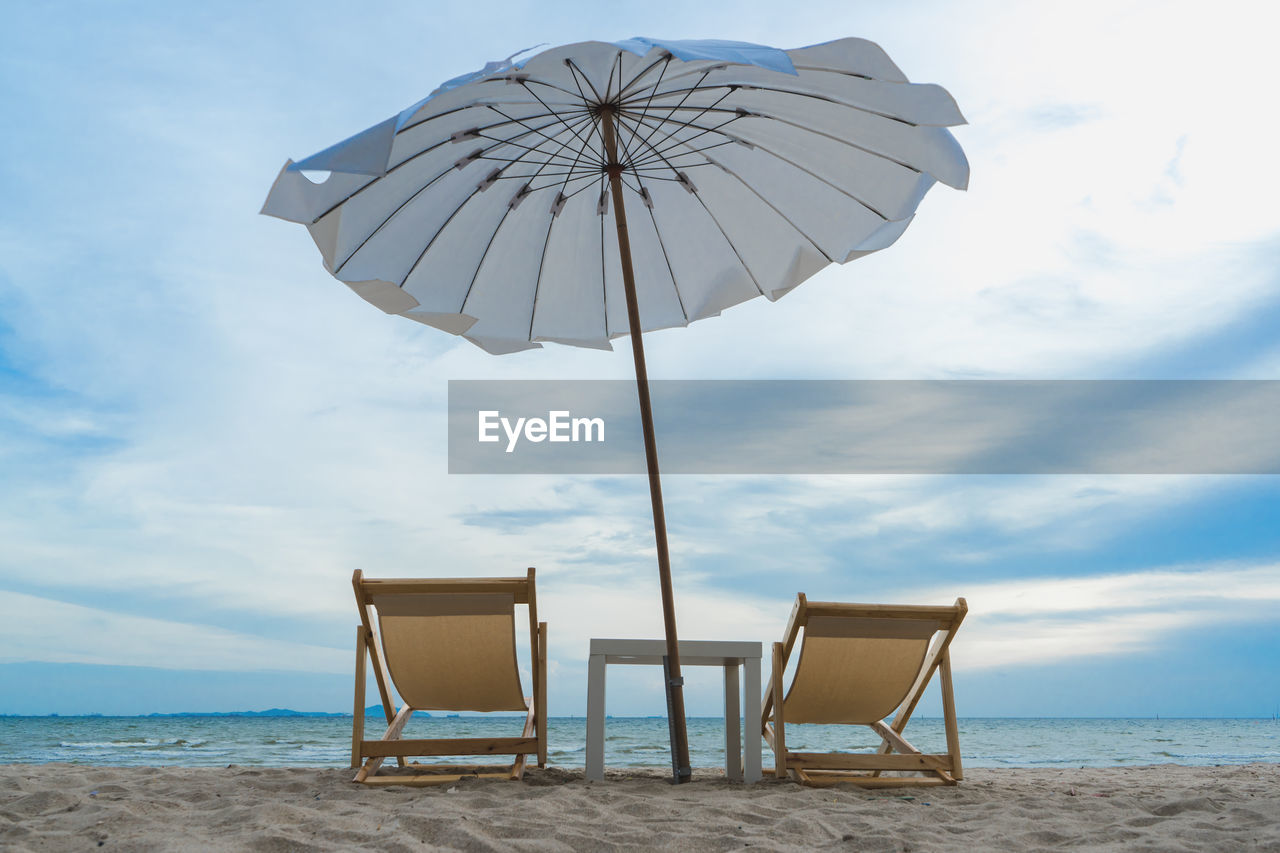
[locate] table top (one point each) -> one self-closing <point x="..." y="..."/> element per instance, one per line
<point x="692" y="652"/>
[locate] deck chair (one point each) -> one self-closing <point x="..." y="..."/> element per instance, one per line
<point x="857" y="664"/>
<point x="447" y="645"/>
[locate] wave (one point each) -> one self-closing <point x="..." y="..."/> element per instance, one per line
<point x="131" y="743"/>
<point x="188" y="741"/>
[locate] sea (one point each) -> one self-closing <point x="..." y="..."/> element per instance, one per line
<point x="325" y="741"/>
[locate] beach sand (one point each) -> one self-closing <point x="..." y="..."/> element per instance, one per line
<point x="1165" y="808"/>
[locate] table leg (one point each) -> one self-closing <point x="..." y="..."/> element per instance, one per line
<point x="751" y="710"/>
<point x="732" y="725"/>
<point x="595" y="717"/>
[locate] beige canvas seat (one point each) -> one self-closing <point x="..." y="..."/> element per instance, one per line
<point x="447" y="644"/>
<point x="858" y="664"/>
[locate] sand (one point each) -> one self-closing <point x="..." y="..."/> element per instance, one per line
<point x="1165" y="808"/>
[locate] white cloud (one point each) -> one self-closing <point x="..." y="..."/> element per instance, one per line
<point x="40" y="629"/>
<point x="1047" y="620"/>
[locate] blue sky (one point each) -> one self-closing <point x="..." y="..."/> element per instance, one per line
<point x="202" y="434"/>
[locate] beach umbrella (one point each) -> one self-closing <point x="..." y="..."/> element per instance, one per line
<point x="599" y="189"/>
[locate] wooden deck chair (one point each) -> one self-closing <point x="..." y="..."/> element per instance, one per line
<point x="447" y="644"/>
<point x="858" y="663"/>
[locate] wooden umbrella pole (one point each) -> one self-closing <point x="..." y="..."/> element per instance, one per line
<point x="675" y="684"/>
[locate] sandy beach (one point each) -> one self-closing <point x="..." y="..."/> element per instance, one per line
<point x="67" y="807"/>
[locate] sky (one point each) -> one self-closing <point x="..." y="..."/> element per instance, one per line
<point x="202" y="434"/>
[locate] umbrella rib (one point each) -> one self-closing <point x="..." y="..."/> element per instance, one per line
<point x="690" y="122"/>
<point x="853" y="145"/>
<point x="644" y="163"/>
<point x="578" y="71"/>
<point x="537" y="282"/>
<point x="664" y="61"/>
<point x="686" y="143"/>
<point x="757" y="194"/>
<point x="462" y="309"/>
<point x="651" y="177"/>
<point x="685" y="98"/>
<point x="479" y="131"/>
<point x="766" y="149"/>
<point x="489" y="245"/>
<point x="645" y="110"/>
<point x="824" y="135"/>
<point x="473" y="194"/>
<point x="638" y="189"/>
<point x="530" y="148"/>
<point x="787" y="219"/>
<point x="552" y="139"/>
<point x="584" y="142"/>
<point x="779" y="90"/>
<point x="423" y="152"/>
<point x="434" y="237"/>
<point x="573" y="74"/>
<point x="675" y="285"/>
<point x="727" y="239"/>
<point x="551" y="86"/>
<point x="478" y="103"/>
<point x="582" y="176"/>
<point x="525" y="177"/>
<point x="449" y="112"/>
<point x="678" y="143"/>
<point x="593" y="162"/>
<point x="537" y="286"/>
<point x="608" y="86"/>
<point x="595" y="128"/>
<point x="581" y="188"/>
<point x="445" y="225"/>
<point x="572" y="164"/>
<point x="634" y="135"/>
<point x="407" y="202"/>
<point x="626" y="151"/>
<point x="734" y="248"/>
<point x="846" y="73"/>
<point x="651" y="164"/>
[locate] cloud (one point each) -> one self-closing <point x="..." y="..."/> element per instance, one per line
<point x="1059" y="116"/>
<point x="40" y="629"/>
<point x="1043" y="621"/>
<point x="515" y="519"/>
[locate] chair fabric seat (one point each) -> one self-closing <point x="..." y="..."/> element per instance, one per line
<point x="859" y="681"/>
<point x="435" y="644"/>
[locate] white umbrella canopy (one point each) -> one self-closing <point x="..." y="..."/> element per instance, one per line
<point x="483" y="210"/>
<point x="488" y="208"/>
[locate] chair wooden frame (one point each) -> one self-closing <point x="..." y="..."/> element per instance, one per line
<point x="894" y="753"/>
<point x="369" y="755"/>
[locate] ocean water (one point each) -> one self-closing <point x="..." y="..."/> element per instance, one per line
<point x="630" y="741"/>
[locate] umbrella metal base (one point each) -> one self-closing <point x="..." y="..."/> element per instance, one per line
<point x="679" y="773"/>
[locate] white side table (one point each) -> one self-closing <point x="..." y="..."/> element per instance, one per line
<point x="729" y="655"/>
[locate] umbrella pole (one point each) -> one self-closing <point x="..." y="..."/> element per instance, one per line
<point x="674" y="682"/>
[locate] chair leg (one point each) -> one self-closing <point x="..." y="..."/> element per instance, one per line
<point x="898" y="742"/>
<point x="779" y="724"/>
<point x="949" y="716"/>
<point x="540" y="694"/>
<point x="398" y="723"/>
<point x="516" y="771"/>
<point x="357" y="708"/>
